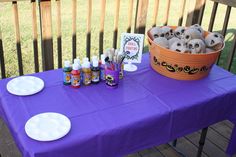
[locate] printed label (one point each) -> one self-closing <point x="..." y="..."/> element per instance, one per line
<point x="75" y="80"/>
<point x="67" y="77"/>
<point x="95" y="76"/>
<point x="86" y="78"/>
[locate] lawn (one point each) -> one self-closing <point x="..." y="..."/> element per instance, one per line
<point x="6" y="24"/>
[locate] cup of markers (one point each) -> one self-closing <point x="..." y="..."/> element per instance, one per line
<point x="113" y="68"/>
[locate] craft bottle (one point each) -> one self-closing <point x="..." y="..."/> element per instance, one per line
<point x="81" y="71"/>
<point x="75" y="76"/>
<point x="102" y="68"/>
<point x="86" y="73"/>
<point x="67" y="73"/>
<point x="77" y="61"/>
<point x="95" y="72"/>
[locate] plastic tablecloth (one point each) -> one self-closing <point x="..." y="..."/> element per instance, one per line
<point x="147" y="109"/>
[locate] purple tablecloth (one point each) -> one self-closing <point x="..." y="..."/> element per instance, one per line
<point x="147" y="109"/>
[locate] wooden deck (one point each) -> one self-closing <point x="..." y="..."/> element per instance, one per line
<point x="216" y="143"/>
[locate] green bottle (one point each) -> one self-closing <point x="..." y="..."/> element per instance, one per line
<point x="67" y="73"/>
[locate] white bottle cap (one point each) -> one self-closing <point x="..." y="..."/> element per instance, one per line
<point x="85" y="59"/>
<point x="94" y="58"/>
<point x="75" y="66"/>
<point x="95" y="63"/>
<point x="67" y="64"/>
<point x="103" y="59"/>
<point x="76" y="60"/>
<point x="86" y="65"/>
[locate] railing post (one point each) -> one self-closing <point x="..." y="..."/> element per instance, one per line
<point x="2" y="62"/>
<point x="195" y="12"/>
<point x="141" y="16"/>
<point x="46" y="34"/>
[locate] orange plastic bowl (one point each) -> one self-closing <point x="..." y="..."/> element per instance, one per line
<point x="180" y="66"/>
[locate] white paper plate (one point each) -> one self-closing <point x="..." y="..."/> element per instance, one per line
<point x="47" y="126"/>
<point x="25" y="85"/>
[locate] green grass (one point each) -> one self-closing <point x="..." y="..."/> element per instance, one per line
<point x="8" y="32"/>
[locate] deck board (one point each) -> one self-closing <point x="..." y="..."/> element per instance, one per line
<point x="166" y="150"/>
<point x="150" y="152"/>
<point x="222" y="129"/>
<point x="187" y="148"/>
<point x="210" y="149"/>
<point x="216" y="143"/>
<point x="221" y="141"/>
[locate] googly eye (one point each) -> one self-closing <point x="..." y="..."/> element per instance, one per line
<point x="156" y="35"/>
<point x="215" y="35"/>
<point x="190" y="46"/>
<point x="177" y="33"/>
<point x="182" y="31"/>
<point x="212" y="42"/>
<point x="197" y="45"/>
<point x="178" y="44"/>
<point x="187" y="36"/>
<point x="162" y="35"/>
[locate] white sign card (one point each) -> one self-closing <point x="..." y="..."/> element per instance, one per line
<point x="132" y="47"/>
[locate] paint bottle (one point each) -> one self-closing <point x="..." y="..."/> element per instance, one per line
<point x="77" y="61"/>
<point x="75" y="76"/>
<point x="86" y="73"/>
<point x="102" y="68"/>
<point x="95" y="72"/>
<point x="67" y="73"/>
<point x="81" y="72"/>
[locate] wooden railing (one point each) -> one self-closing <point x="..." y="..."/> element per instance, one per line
<point x="195" y="15"/>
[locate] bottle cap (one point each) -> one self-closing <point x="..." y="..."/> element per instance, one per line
<point x="67" y="64"/>
<point x="86" y="65"/>
<point x="95" y="63"/>
<point x="103" y="59"/>
<point x="75" y="66"/>
<point x="76" y="60"/>
<point x="94" y="58"/>
<point x="85" y="59"/>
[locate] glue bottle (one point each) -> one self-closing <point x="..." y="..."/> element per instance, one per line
<point x="67" y="73"/>
<point x="95" y="72"/>
<point x="75" y="76"/>
<point x="102" y="68"/>
<point x="86" y="73"/>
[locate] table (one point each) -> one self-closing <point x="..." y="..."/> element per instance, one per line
<point x="147" y="109"/>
